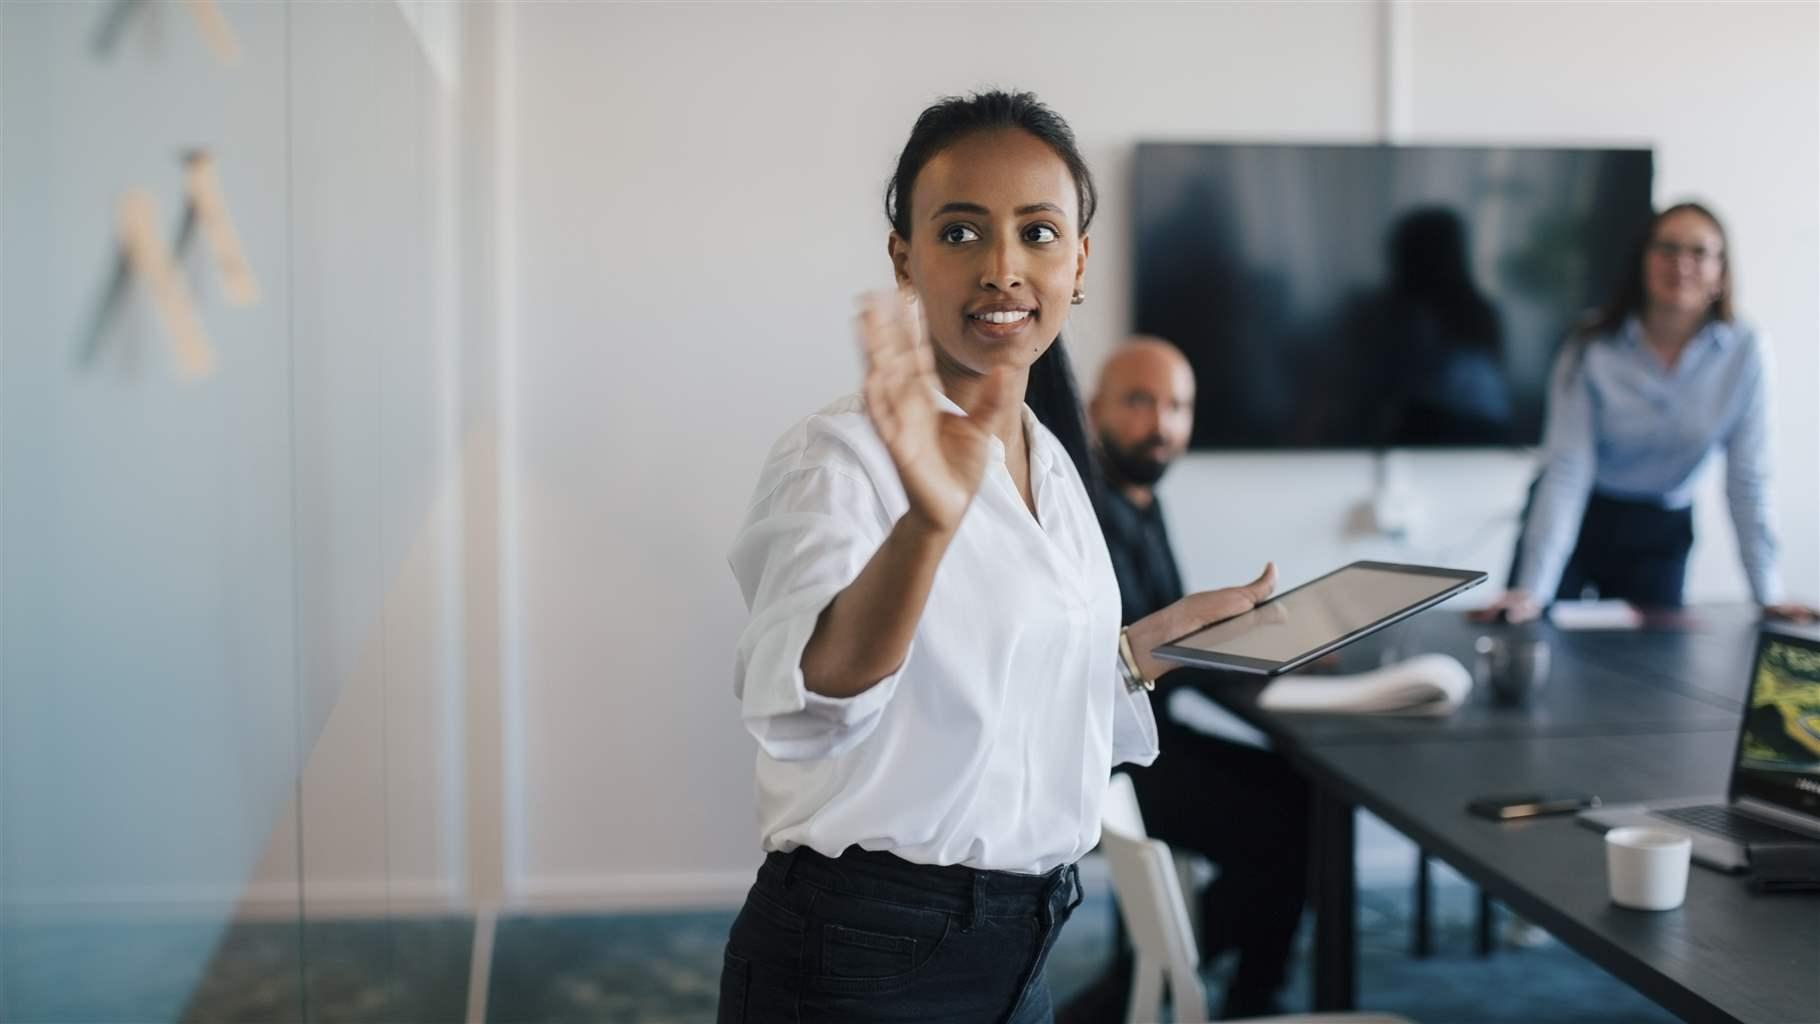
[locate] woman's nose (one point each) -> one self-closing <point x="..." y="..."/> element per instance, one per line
<point x="1004" y="267"/>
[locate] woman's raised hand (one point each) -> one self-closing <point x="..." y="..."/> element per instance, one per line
<point x="940" y="457"/>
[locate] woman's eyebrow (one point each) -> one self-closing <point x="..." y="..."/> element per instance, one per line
<point x="976" y="208"/>
<point x="959" y="208"/>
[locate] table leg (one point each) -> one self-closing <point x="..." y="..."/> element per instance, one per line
<point x="1487" y="916"/>
<point x="1423" y="939"/>
<point x="1336" y="905"/>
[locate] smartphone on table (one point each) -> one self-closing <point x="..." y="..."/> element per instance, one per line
<point x="1511" y="806"/>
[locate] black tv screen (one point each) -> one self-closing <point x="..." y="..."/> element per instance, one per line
<point x="1377" y="296"/>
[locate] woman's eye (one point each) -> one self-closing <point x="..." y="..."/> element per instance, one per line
<point x="955" y="234"/>
<point x="1040" y="233"/>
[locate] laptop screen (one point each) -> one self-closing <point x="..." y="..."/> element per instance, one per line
<point x="1779" y="744"/>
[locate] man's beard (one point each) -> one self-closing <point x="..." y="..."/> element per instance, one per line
<point x="1131" y="465"/>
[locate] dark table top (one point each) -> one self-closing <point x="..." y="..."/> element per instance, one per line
<point x="1704" y="652"/>
<point x="1586" y="693"/>
<point x="1726" y="954"/>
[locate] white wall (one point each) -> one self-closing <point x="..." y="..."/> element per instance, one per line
<point x="699" y="199"/>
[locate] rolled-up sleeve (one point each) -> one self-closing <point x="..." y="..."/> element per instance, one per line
<point x="803" y="542"/>
<point x="1134" y="735"/>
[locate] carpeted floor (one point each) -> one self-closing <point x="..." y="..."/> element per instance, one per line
<point x="664" y="969"/>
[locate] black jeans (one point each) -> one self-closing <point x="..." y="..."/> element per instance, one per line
<point x="871" y="937"/>
<point x="1627" y="550"/>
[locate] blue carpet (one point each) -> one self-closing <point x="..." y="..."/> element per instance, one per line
<point x="665" y="969"/>
<point x="410" y="970"/>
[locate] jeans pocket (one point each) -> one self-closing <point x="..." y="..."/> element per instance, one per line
<point x="862" y="944"/>
<point x="735" y="978"/>
<point x="857" y="953"/>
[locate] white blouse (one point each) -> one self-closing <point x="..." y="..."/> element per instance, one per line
<point x="991" y="744"/>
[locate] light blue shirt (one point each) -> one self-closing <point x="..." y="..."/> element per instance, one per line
<point x="1621" y="422"/>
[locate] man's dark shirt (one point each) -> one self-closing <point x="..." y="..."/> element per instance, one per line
<point x="1197" y="788"/>
<point x="1141" y="556"/>
<point x="1144" y="563"/>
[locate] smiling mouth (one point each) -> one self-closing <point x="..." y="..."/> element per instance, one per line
<point x="1009" y="316"/>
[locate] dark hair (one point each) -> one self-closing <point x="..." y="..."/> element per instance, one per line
<point x="1052" y="393"/>
<point x="1629" y="301"/>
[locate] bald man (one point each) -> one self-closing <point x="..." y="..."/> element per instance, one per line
<point x="1143" y="414"/>
<point x="1246" y="809"/>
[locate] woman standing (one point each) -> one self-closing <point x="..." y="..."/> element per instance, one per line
<point x="934" y="668"/>
<point x="1637" y="401"/>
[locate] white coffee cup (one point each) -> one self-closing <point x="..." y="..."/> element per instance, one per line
<point x="1647" y="867"/>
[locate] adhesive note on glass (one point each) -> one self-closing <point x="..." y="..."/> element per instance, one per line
<point x="204" y="188"/>
<point x="151" y="263"/>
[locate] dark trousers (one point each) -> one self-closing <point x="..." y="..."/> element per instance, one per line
<point x="871" y="937"/>
<point x="1627" y="550"/>
<point x="1247" y="810"/>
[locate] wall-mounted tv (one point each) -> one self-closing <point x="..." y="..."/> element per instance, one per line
<point x="1377" y="296"/>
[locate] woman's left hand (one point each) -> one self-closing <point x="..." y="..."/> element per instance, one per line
<point x="1193" y="612"/>
<point x="1791" y="612"/>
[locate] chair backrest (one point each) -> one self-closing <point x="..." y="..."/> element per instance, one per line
<point x="1120" y="812"/>
<point x="1150" y="900"/>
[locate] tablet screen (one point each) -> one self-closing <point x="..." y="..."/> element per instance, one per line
<point x="1322" y="612"/>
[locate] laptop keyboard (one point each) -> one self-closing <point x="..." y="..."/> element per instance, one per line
<point x="1722" y="820"/>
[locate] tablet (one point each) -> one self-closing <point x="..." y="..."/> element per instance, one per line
<point x="1297" y="626"/>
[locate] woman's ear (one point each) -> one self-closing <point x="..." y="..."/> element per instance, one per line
<point x="899" y="250"/>
<point x="1080" y="264"/>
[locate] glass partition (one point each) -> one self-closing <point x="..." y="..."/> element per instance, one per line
<point x="229" y="521"/>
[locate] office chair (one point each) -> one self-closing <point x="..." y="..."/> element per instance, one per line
<point x="1156" y="917"/>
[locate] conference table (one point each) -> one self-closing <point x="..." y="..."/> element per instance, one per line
<point x="1629" y="715"/>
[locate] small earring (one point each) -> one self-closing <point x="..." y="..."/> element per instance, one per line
<point x="1079" y="297"/>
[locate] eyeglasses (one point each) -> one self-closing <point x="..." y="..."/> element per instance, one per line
<point x="1673" y="251"/>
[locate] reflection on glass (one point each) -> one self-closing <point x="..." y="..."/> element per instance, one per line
<point x="228" y="660"/>
<point x="1283" y="271"/>
<point x="1429" y="347"/>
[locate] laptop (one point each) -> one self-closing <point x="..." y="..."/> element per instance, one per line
<point x="1774" y="796"/>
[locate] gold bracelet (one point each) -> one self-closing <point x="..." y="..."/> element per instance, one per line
<point x="1135" y="679"/>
